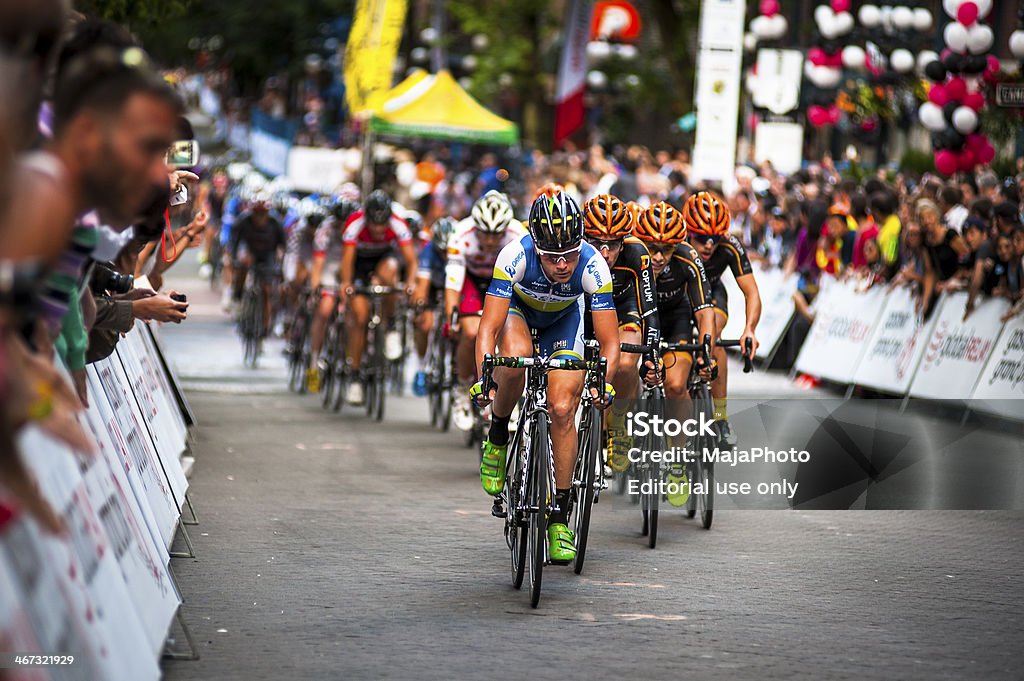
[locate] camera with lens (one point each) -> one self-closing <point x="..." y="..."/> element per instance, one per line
<point x="106" y="279"/>
<point x="19" y="283"/>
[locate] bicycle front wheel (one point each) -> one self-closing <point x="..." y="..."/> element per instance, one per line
<point x="538" y="495"/>
<point x="704" y="470"/>
<point x="583" y="482"/>
<point x="516" y="525"/>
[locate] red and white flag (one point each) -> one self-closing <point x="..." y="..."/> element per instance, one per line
<point x="572" y="71"/>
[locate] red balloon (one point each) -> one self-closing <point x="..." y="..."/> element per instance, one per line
<point x="833" y="114"/>
<point x="976" y="141"/>
<point x="974" y="100"/>
<point x="938" y="95"/>
<point x="986" y="154"/>
<point x="769" y="8"/>
<point x="967" y="14"/>
<point x="868" y="124"/>
<point x="817" y="56"/>
<point x="817" y="116"/>
<point x="966" y="161"/>
<point x="956" y="89"/>
<point x="946" y="162"/>
<point x="840" y="6"/>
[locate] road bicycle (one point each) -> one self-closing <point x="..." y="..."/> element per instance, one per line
<point x="700" y="472"/>
<point x="251" y="322"/>
<point x="528" y="494"/>
<point x="297" y="349"/>
<point x="440" y="370"/>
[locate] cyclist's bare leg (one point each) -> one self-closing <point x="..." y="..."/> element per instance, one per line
<point x="513" y="341"/>
<point x="319" y="327"/>
<point x="464" y="357"/>
<point x="386" y="274"/>
<point x="626" y="380"/>
<point x="421" y="337"/>
<point x="677" y="370"/>
<point x="358" y="317"/>
<point x="239" y="275"/>
<point x="720" y="386"/>
<point x="564" y="392"/>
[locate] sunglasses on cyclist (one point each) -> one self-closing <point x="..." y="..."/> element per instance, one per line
<point x="555" y="258"/>
<point x="708" y="238"/>
<point x="661" y="249"/>
<point x="600" y="244"/>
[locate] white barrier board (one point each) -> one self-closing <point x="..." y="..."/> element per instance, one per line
<point x="896" y="347"/>
<point x="957" y="350"/>
<point x="1000" y="389"/>
<point x="843" y="323"/>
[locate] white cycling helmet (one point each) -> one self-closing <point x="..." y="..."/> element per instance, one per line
<point x="492" y="213"/>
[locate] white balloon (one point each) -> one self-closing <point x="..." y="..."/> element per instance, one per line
<point x="1017" y="44"/>
<point x="823" y="16"/>
<point x="965" y="120"/>
<point x="597" y="79"/>
<point x="955" y="36"/>
<point x="870" y="15"/>
<point x="931" y="117"/>
<point x="758" y="26"/>
<point x="922" y="19"/>
<point x="853" y="57"/>
<point x="925" y="58"/>
<point x="902" y="17"/>
<point x="843" y="23"/>
<point x="599" y="49"/>
<point x="825" y="77"/>
<point x="951" y="6"/>
<point x="984" y="7"/>
<point x="749" y="41"/>
<point x="901" y="60"/>
<point x="777" y="26"/>
<point x="752" y="83"/>
<point x="979" y="39"/>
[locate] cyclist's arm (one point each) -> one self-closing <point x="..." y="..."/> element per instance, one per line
<point x="491" y="321"/>
<point x="698" y="289"/>
<point x="752" y="298"/>
<point x="597" y="282"/>
<point x="454" y="278"/>
<point x="348" y="266"/>
<point x="238" y="233"/>
<point x="606" y="331"/>
<point x="409" y="254"/>
<point x="647" y="292"/>
<point x="318" y="270"/>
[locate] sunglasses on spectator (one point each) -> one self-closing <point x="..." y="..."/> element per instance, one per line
<point x="556" y="258"/>
<point x="599" y="244"/>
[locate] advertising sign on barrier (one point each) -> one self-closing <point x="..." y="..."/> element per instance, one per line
<point x="94" y="581"/>
<point x="142" y="561"/>
<point x="154" y="368"/>
<point x="843" y="323"/>
<point x="896" y="346"/>
<point x="1000" y="389"/>
<point x="957" y="349"/>
<point x="138" y="456"/>
<point x="152" y="408"/>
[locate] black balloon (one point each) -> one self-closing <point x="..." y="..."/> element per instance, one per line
<point x="954" y="63"/>
<point x="975" y="63"/>
<point x="938" y="141"/>
<point x="953" y="140"/>
<point x="935" y="71"/>
<point x="948" y="108"/>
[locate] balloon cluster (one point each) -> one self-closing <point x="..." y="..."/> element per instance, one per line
<point x="770" y="25"/>
<point x="825" y="61"/>
<point x="955" y="102"/>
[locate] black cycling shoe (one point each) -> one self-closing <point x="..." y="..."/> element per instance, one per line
<point x="725" y="434"/>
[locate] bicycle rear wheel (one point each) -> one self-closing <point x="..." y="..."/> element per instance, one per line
<point x="249" y="326"/>
<point x="329" y="360"/>
<point x="583" y="483"/>
<point x="537" y="495"/>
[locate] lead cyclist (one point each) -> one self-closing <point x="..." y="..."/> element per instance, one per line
<point x="540" y="282"/>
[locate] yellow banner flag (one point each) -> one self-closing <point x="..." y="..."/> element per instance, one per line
<point x="370" y="52"/>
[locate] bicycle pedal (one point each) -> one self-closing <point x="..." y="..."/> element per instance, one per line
<point x="498" y="509"/>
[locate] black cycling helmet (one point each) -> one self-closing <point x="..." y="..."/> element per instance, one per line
<point x="378" y="207"/>
<point x="556" y="223"/>
<point x="314" y="220"/>
<point x="343" y="209"/>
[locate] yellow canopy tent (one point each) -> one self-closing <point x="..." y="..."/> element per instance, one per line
<point x="436" y="107"/>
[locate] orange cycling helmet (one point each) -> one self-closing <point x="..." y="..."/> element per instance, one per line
<point x="661" y="222"/>
<point x="548" y="189"/>
<point x="606" y="217"/>
<point x="706" y="214"/>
